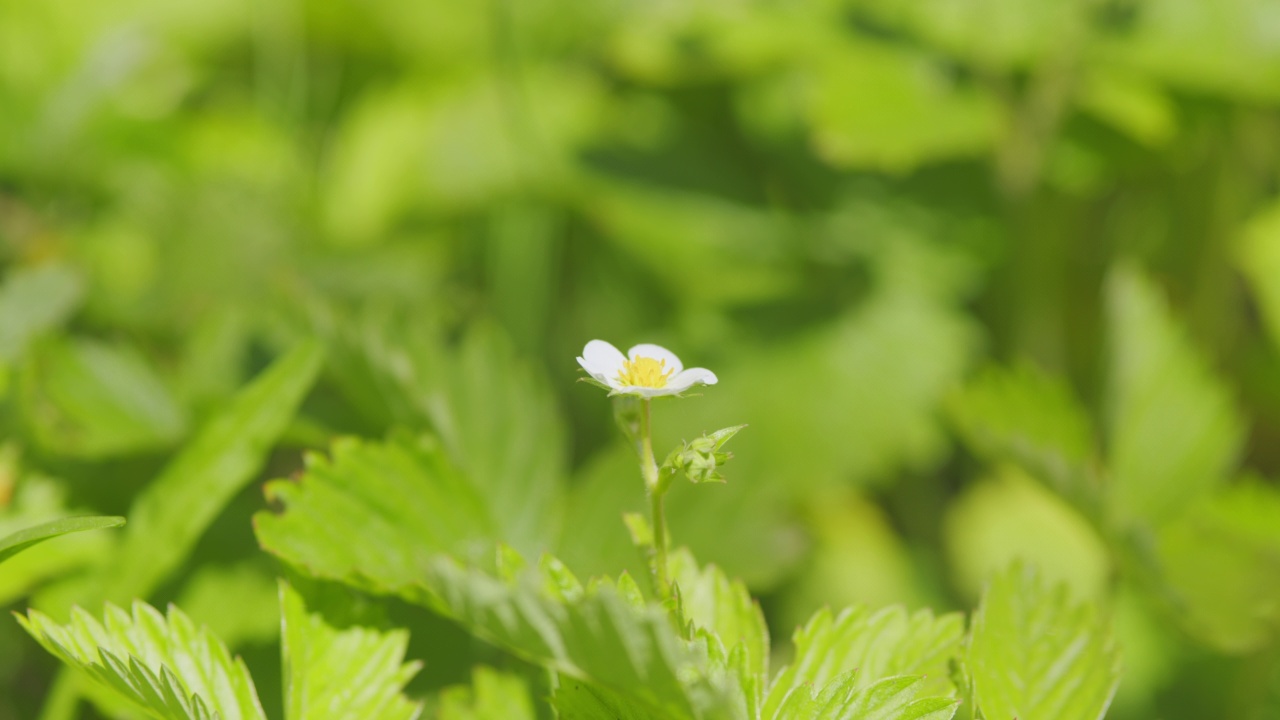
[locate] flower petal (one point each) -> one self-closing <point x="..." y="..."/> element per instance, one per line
<point x="657" y="352"/>
<point x="602" y="361"/>
<point x="688" y="378"/>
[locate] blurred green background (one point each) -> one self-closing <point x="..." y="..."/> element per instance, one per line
<point x="848" y="209"/>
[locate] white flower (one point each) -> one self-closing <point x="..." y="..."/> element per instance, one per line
<point x="646" y="370"/>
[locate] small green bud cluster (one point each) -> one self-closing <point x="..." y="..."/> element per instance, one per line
<point x="700" y="459"/>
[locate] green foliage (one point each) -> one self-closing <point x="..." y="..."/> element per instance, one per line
<point x="492" y="695"/>
<point x="167" y="519"/>
<point x="840" y="659"/>
<point x="842" y="208"/>
<point x="89" y="399"/>
<point x="335" y="673"/>
<point x="845" y="698"/>
<point x="1031" y="418"/>
<point x="411" y="510"/>
<point x="1222" y="562"/>
<point x="161" y="664"/>
<point x="14" y="543"/>
<point x="1175" y="431"/>
<point x="403" y="500"/>
<point x="1035" y="653"/>
<point x="33" y="301"/>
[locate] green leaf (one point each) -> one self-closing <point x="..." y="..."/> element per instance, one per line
<point x="578" y="700"/>
<point x="1035" y="654"/>
<point x="875" y="105"/>
<point x="91" y="400"/>
<point x="38" y="499"/>
<point x="492" y="695"/>
<point x="877" y="645"/>
<point x="1222" y="562"/>
<point x="730" y="617"/>
<point x="169" y="516"/>
<point x="498" y="418"/>
<point x="162" y="665"/>
<point x="1028" y="417"/>
<point x="847" y="698"/>
<point x="347" y="673"/>
<point x="493" y="413"/>
<point x="603" y="637"/>
<point x="33" y="300"/>
<point x="1175" y="430"/>
<point x="15" y="543"/>
<point x="1007" y="517"/>
<point x="407" y="507"/>
<point x="403" y="499"/>
<point x="1259" y="255"/>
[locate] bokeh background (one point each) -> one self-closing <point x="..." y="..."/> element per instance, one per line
<point x="849" y="209"/>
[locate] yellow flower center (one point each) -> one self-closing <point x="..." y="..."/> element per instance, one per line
<point x="644" y="372"/>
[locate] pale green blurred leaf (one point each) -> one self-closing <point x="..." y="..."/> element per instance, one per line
<point x="342" y="673"/>
<point x="32" y="301"/>
<point x="1009" y="517"/>
<point x="1175" y="430"/>
<point x="1028" y="417"/>
<point x="1222" y="562"/>
<point x="88" y="399"/>
<point x="239" y="603"/>
<point x="704" y="248"/>
<point x="1225" y="48"/>
<point x="1133" y="105"/>
<point x="169" y="516"/>
<point x="1034" y="653"/>
<point x="997" y="34"/>
<point x="874" y="105"/>
<point x="857" y="557"/>
<point x="492" y="695"/>
<point x="857" y="649"/>
<point x="163" y="665"/>
<point x="1259" y="258"/>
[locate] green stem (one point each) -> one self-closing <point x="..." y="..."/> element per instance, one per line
<point x="649" y="467"/>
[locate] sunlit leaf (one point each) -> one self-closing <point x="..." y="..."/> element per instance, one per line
<point x="1036" y="654"/>
<point x="342" y="672"/>
<point x="856" y="649"/>
<point x="846" y="698"/>
<point x="730" y="617"/>
<point x="410" y="510"/>
<point x="15" y="543"/>
<point x="163" y="665"/>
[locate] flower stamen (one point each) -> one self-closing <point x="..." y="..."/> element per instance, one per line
<point x="645" y="372"/>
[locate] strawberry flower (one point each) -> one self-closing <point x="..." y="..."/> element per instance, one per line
<point x="646" y="370"/>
